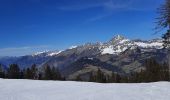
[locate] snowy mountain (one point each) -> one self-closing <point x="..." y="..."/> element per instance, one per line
<point x="118" y="54"/>
<point x="116" y="45"/>
<point x="47" y="53"/>
<point x="155" y="43"/>
<point x="119" y="44"/>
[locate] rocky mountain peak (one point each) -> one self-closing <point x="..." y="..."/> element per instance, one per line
<point x="117" y="38"/>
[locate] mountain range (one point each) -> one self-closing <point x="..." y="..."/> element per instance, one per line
<point x="120" y="55"/>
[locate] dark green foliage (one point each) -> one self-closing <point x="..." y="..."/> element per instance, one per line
<point x="118" y="78"/>
<point x="166" y="40"/>
<point x="112" y="78"/>
<point x="2" y="72"/>
<point x="21" y="76"/>
<point x="52" y="73"/>
<point x="154" y="72"/>
<point x="39" y="76"/>
<point x="48" y="73"/>
<point x="166" y="72"/>
<point x="163" y="21"/>
<point x="31" y="73"/>
<point x="78" y="78"/>
<point x="34" y="74"/>
<point x="91" y="77"/>
<point x="56" y="74"/>
<point x="100" y="77"/>
<point x="28" y="74"/>
<point x="14" y="71"/>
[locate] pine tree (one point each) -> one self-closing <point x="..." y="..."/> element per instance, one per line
<point x="165" y="72"/>
<point x="28" y="74"/>
<point x="21" y="74"/>
<point x="154" y="72"/>
<point x="118" y="78"/>
<point x="39" y="76"/>
<point x="166" y="40"/>
<point x="163" y="21"/>
<point x="14" y="71"/>
<point x="48" y="73"/>
<point x="100" y="77"/>
<point x="166" y="44"/>
<point x="56" y="74"/>
<point x="34" y="72"/>
<point x="78" y="78"/>
<point x="112" y="78"/>
<point x="2" y="72"/>
<point x="91" y="77"/>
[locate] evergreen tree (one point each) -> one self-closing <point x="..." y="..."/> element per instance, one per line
<point x="2" y="72"/>
<point x="163" y="21"/>
<point x="166" y="40"/>
<point x="125" y="79"/>
<point x="56" y="74"/>
<point x="31" y="73"/>
<point x="112" y="78"/>
<point x="118" y="78"/>
<point x="21" y="74"/>
<point x="165" y="72"/>
<point x="39" y="76"/>
<point x="91" y="77"/>
<point x="34" y="72"/>
<point x="153" y="70"/>
<point x="48" y="73"/>
<point x="78" y="78"/>
<point x="28" y="74"/>
<point x="100" y="77"/>
<point x="14" y="71"/>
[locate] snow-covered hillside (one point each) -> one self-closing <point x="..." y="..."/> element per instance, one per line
<point x="58" y="90"/>
<point x="116" y="45"/>
<point x="119" y="44"/>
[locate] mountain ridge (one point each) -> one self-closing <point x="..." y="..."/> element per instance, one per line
<point x="118" y="53"/>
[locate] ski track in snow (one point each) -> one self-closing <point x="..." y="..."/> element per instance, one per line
<point x="67" y="90"/>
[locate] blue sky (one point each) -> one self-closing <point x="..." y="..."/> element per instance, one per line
<point x="28" y="26"/>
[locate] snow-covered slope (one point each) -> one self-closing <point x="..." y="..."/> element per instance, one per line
<point x="116" y="45"/>
<point x="47" y="53"/>
<point x="58" y="90"/>
<point x="156" y="43"/>
<point x="119" y="44"/>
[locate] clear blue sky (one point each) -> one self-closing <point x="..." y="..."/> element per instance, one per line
<point x="28" y="26"/>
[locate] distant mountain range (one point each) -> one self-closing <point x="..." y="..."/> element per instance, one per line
<point x="119" y="55"/>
